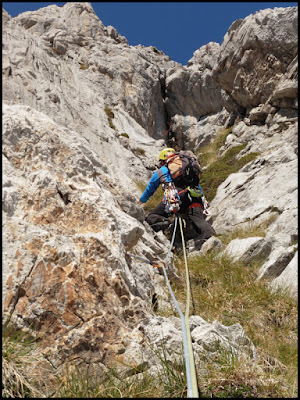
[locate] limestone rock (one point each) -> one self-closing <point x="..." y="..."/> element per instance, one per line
<point x="83" y="120"/>
<point x="255" y="53"/>
<point x="288" y="279"/>
<point x="264" y="190"/>
<point x="65" y="241"/>
<point x="232" y="338"/>
<point x="212" y="244"/>
<point x="187" y="87"/>
<point x="248" y="249"/>
<point x="164" y="336"/>
<point x="276" y="262"/>
<point x="191" y="133"/>
<point x="70" y="48"/>
<point x="205" y="57"/>
<point x="269" y="182"/>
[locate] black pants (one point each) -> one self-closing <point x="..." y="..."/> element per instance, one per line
<point x="197" y="227"/>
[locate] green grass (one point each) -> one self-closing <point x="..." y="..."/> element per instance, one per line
<point x="110" y="116"/>
<point x="217" y="169"/>
<point x="222" y="290"/>
<point x="154" y="200"/>
<point x="253" y="229"/>
<point x="209" y="152"/>
<point x="227" y="291"/>
<point x="169" y="381"/>
<point x="17" y="349"/>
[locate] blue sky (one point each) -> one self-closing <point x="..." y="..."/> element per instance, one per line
<point x="176" y="28"/>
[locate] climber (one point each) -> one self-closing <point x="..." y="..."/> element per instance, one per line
<point x="190" y="207"/>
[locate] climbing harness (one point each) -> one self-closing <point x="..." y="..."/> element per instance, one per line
<point x="171" y="198"/>
<point x="198" y="192"/>
<point x="192" y="388"/>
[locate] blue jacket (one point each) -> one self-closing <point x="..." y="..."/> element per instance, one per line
<point x="154" y="183"/>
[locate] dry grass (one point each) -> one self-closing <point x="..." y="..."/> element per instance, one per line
<point x="17" y="348"/>
<point x="209" y="153"/>
<point x="169" y="382"/>
<point x="215" y="168"/>
<point x="226" y="291"/>
<point x="251" y="229"/>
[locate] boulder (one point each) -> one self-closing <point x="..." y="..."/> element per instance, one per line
<point x="162" y="337"/>
<point x="288" y="279"/>
<point x="248" y="249"/>
<point x="277" y="261"/>
<point x="215" y="336"/>
<point x="211" y="244"/>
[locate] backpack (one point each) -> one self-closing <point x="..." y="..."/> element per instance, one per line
<point x="184" y="169"/>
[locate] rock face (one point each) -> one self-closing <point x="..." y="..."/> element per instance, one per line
<point x="83" y="121"/>
<point x="257" y="67"/>
<point x="255" y="55"/>
<point x="192" y="90"/>
<point x="72" y="58"/>
<point x="65" y="238"/>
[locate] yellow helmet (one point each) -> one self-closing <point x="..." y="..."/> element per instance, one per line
<point x="164" y="153"/>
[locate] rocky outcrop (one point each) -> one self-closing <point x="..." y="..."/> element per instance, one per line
<point x="65" y="240"/>
<point x="67" y="56"/>
<point x="192" y="90"/>
<point x="264" y="191"/>
<point x="193" y="94"/>
<point x="257" y="68"/>
<point x="253" y="75"/>
<point x="255" y="55"/>
<point x="288" y="279"/>
<point x="83" y="121"/>
<point x="164" y="335"/>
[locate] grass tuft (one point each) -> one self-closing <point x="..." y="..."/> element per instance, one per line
<point x="84" y="66"/>
<point x="252" y="229"/>
<point x="17" y="349"/>
<point x="209" y="153"/>
<point x="130" y="382"/>
<point x="217" y="169"/>
<point x="110" y="116"/>
<point x="139" y="151"/>
<point x="228" y="292"/>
